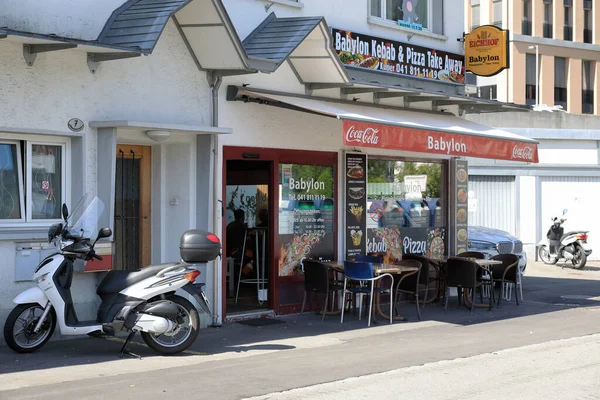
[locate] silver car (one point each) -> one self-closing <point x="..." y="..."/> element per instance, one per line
<point x="491" y="242"/>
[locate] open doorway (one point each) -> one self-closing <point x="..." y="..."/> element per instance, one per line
<point x="248" y="235"/>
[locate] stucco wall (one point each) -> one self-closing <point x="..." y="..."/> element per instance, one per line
<point x="165" y="87"/>
<point x="347" y="14"/>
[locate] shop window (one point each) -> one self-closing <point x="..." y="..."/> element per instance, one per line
<point x="530" y="79"/>
<point x="475" y="14"/>
<point x="568" y="27"/>
<point x="426" y="15"/>
<point x="406" y="206"/>
<point x="587" y="22"/>
<point x="527" y="16"/>
<point x="306" y="215"/>
<point x="489" y="92"/>
<point x="32" y="180"/>
<point x="497" y="10"/>
<point x="560" y="82"/>
<point x="548" y="19"/>
<point x="587" y="95"/>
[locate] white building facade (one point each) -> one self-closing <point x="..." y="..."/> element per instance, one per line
<point x="252" y="97"/>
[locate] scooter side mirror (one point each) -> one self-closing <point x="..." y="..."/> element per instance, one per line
<point x="104" y="233"/>
<point x="65" y="211"/>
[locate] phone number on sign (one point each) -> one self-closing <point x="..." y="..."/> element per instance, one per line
<point x="307" y="197"/>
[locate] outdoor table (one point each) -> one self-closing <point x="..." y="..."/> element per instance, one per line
<point x="483" y="263"/>
<point x="378" y="269"/>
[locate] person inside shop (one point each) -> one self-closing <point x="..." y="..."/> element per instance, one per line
<point x="235" y="234"/>
<point x="263" y="216"/>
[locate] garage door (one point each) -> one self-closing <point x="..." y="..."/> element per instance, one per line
<point x="492" y="202"/>
<point x="580" y="196"/>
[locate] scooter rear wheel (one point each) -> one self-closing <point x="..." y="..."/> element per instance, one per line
<point x="544" y="254"/>
<point x="184" y="334"/>
<point x="20" y="324"/>
<point x="579" y="258"/>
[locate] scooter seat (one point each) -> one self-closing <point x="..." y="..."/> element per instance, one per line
<point x="115" y="281"/>
<point x="569" y="234"/>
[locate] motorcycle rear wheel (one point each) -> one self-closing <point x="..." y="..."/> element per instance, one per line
<point x="188" y="323"/>
<point x="579" y="258"/>
<point x="545" y="256"/>
<point x="20" y="324"/>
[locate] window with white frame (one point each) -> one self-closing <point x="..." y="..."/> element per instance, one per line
<point x="426" y="15"/>
<point x="32" y="180"/>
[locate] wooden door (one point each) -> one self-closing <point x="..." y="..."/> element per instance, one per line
<point x="132" y="207"/>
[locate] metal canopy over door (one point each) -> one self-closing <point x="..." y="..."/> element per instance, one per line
<point x="132" y="207"/>
<point x="580" y="196"/>
<point x="492" y="202"/>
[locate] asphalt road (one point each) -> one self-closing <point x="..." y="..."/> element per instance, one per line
<point x="450" y="354"/>
<point x="564" y="369"/>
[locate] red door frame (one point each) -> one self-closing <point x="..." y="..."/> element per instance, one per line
<point x="276" y="157"/>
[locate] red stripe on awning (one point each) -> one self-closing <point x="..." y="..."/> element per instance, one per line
<point x="370" y="134"/>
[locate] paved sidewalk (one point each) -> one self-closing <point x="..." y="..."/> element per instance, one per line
<point x="554" y="307"/>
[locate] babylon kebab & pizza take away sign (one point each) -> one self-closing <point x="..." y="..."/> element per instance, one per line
<point x="368" y="134"/>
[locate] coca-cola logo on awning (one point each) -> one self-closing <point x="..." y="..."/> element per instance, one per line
<point x="523" y="152"/>
<point x="367" y="136"/>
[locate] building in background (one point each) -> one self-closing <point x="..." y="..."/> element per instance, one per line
<point x="564" y="37"/>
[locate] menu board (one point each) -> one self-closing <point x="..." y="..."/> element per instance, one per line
<point x="356" y="204"/>
<point x="373" y="53"/>
<point x="461" y="175"/>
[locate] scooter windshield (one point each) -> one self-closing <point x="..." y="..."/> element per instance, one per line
<point x="84" y="219"/>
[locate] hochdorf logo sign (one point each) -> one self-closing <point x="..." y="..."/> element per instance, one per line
<point x="486" y="50"/>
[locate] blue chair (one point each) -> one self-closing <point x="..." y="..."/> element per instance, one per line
<point x="362" y="272"/>
<point x="369" y="259"/>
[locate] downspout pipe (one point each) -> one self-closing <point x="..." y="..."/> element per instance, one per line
<point x="214" y="82"/>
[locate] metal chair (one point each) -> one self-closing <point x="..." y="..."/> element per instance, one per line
<point x="362" y="272"/>
<point x="507" y="272"/>
<point x="316" y="280"/>
<point x="425" y="276"/>
<point x="463" y="273"/>
<point x="410" y="283"/>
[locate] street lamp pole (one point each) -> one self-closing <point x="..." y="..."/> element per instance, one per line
<point x="537" y="74"/>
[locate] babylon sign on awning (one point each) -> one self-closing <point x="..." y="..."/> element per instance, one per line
<point x="369" y="134"/>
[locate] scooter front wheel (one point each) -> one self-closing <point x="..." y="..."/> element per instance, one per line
<point x="20" y="325"/>
<point x="545" y="256"/>
<point x="184" y="334"/>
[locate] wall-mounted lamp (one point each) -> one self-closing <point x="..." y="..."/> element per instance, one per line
<point x="158" y="136"/>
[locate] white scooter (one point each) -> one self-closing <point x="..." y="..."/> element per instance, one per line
<point x="572" y="246"/>
<point x="138" y="301"/>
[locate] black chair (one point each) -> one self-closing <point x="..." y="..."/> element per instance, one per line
<point x="316" y="280"/>
<point x="425" y="277"/>
<point x="369" y="259"/>
<point x="506" y="273"/>
<point x="472" y="254"/>
<point x="462" y="273"/>
<point x="410" y="283"/>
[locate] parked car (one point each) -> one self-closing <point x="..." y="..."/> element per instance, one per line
<point x="492" y="242"/>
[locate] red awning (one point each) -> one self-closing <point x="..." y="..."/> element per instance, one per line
<point x="412" y="130"/>
<point x="370" y="134"/>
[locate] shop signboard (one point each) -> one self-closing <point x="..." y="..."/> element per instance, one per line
<point x="306" y="215"/>
<point x="486" y="50"/>
<point x="370" y="134"/>
<point x="461" y="185"/>
<point x="355" y="204"/>
<point x="385" y="55"/>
